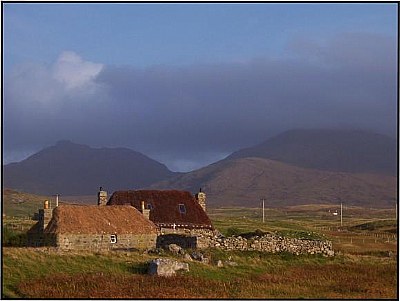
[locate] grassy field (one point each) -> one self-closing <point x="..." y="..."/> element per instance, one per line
<point x="21" y="204"/>
<point x="365" y="266"/>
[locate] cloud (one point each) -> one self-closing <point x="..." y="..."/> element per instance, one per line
<point x="43" y="103"/>
<point x="193" y="115"/>
<point x="69" y="77"/>
<point x="348" y="50"/>
<point x="72" y="71"/>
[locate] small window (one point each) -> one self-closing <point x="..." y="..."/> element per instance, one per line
<point x="182" y="208"/>
<point x="113" y="238"/>
<point x="150" y="206"/>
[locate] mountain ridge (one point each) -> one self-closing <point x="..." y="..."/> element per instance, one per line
<point x="77" y="169"/>
<point x="327" y="149"/>
<point x="243" y="181"/>
<point x="231" y="180"/>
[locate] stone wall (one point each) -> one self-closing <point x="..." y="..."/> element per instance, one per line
<point x="101" y="242"/>
<point x="266" y="243"/>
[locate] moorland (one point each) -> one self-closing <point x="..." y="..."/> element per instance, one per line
<point x="364" y="265"/>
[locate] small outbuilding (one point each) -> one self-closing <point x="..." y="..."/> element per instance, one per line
<point x="96" y="228"/>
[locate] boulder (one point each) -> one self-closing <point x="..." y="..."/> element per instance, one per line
<point x="330" y="253"/>
<point x="200" y="257"/>
<point x="166" y="267"/>
<point x="187" y="257"/>
<point x="197" y="256"/>
<point x="175" y="249"/>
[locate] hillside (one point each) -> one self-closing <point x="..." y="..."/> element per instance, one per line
<point x="17" y="203"/>
<point x="243" y="181"/>
<point x="75" y="169"/>
<point x="334" y="150"/>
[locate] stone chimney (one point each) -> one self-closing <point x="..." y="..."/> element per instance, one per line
<point x="145" y="212"/>
<point x="201" y="198"/>
<point x="102" y="197"/>
<point x="45" y="215"/>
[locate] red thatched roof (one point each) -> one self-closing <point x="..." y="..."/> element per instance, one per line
<point x="81" y="219"/>
<point x="165" y="207"/>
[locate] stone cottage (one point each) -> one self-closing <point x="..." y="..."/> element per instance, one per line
<point x="96" y="228"/>
<point x="173" y="211"/>
<point x="180" y="217"/>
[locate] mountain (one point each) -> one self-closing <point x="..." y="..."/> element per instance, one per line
<point x="74" y="169"/>
<point x="243" y="181"/>
<point x="334" y="150"/>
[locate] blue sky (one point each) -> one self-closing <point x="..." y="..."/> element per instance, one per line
<point x="187" y="84"/>
<point x="174" y="34"/>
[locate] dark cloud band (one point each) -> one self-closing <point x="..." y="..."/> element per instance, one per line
<point x="195" y="114"/>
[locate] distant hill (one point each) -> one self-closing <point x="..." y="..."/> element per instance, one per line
<point x="17" y="203"/>
<point x="334" y="150"/>
<point x="75" y="169"/>
<point x="243" y="181"/>
<point x="22" y="204"/>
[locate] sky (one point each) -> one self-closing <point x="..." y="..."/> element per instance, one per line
<point x="188" y="84"/>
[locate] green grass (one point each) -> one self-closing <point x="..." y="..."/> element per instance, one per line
<point x="384" y="225"/>
<point x="21" y="204"/>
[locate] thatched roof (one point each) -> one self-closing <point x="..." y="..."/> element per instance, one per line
<point x="165" y="207"/>
<point x="83" y="219"/>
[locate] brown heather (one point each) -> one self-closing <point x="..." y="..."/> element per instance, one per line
<point x="307" y="281"/>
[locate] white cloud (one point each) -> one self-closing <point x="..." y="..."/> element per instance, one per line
<point x="48" y="87"/>
<point x="72" y="71"/>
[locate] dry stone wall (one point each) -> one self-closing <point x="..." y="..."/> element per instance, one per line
<point x="268" y="243"/>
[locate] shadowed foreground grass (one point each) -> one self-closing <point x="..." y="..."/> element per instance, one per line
<point x="308" y="281"/>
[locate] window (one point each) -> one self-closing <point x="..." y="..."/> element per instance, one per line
<point x="150" y="206"/>
<point x="113" y="238"/>
<point x="182" y="208"/>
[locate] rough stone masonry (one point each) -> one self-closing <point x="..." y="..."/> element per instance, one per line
<point x="267" y="242"/>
